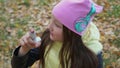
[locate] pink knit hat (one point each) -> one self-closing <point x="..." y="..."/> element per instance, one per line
<point x="76" y="14"/>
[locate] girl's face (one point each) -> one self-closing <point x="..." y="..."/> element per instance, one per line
<point x="56" y="30"/>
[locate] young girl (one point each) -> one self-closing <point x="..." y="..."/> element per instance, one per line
<point x="71" y="40"/>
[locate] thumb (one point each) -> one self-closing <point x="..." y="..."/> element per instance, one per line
<point x="37" y="44"/>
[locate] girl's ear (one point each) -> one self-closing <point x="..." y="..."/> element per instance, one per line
<point x="99" y="9"/>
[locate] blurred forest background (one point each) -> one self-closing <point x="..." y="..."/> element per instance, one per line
<point x="16" y="16"/>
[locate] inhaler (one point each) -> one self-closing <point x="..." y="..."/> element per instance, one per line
<point x="34" y="37"/>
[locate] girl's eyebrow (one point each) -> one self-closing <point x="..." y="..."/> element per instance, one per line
<point x="58" y="23"/>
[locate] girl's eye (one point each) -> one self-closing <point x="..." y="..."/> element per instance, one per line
<point x="57" y="25"/>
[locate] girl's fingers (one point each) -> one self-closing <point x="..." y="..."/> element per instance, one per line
<point x="31" y="43"/>
<point x="21" y="42"/>
<point x="26" y="41"/>
<point x="34" y="44"/>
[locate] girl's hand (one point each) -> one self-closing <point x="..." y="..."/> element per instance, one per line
<point x="26" y="44"/>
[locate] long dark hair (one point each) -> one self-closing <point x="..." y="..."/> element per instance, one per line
<point x="44" y="42"/>
<point x="73" y="54"/>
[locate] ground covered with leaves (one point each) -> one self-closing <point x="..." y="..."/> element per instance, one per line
<point x="16" y="16"/>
